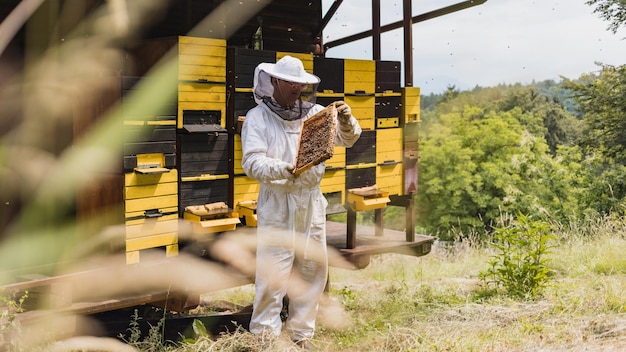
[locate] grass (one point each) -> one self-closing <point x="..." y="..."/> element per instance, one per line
<point x="437" y="303"/>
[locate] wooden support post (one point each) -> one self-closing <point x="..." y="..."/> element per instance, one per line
<point x="410" y="219"/>
<point x="407" y="202"/>
<point x="351" y="228"/>
<point x="379" y="222"/>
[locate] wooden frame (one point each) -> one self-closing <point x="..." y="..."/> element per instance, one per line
<point x="317" y="139"/>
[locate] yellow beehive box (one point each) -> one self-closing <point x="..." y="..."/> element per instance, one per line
<point x="245" y="189"/>
<point x="151" y="211"/>
<point x="247" y="211"/>
<point x="201" y="96"/>
<point x="201" y="59"/>
<point x="389" y="177"/>
<point x="201" y="224"/>
<point x="359" y="76"/>
<point x="363" y="109"/>
<point x="338" y="160"/>
<point x="334" y="180"/>
<point x="389" y="145"/>
<point x="144" y="192"/>
<point x="411" y="104"/>
<point x="367" y="199"/>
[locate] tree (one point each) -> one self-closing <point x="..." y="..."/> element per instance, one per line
<point x="613" y="11"/>
<point x="602" y="101"/>
<point x="478" y="162"/>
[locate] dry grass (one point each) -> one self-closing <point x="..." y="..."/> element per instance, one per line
<point x="437" y="303"/>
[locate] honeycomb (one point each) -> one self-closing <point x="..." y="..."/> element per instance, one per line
<point x="317" y="139"/>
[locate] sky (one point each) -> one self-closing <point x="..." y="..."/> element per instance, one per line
<point x="500" y="41"/>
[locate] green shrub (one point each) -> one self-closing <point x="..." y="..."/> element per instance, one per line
<point x="519" y="267"/>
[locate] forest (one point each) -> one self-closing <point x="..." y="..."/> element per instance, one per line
<point x="553" y="151"/>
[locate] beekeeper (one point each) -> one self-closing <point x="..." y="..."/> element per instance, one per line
<point x="291" y="211"/>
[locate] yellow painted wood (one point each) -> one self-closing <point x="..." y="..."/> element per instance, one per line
<point x="389" y="139"/>
<point x="208" y="52"/>
<point x="361" y="203"/>
<point x="333" y="181"/>
<point x="359" y="76"/>
<point x="247" y="210"/>
<point x="143" y="204"/>
<point x="161" y="123"/>
<point x="367" y="123"/>
<point x="204" y="177"/>
<point x="201" y="59"/>
<point x="245" y="189"/>
<point x="134" y="179"/>
<point x="330" y="94"/>
<point x="362" y="102"/>
<point x="151" y="159"/>
<point x="204" y="47"/>
<point x="411" y="104"/>
<point x="389" y="143"/>
<point x="359" y="65"/>
<point x="338" y="159"/>
<point x="132" y="257"/>
<point x="388" y="157"/>
<point x="390" y="178"/>
<point x="202" y="72"/>
<point x="211" y="58"/>
<point x="238" y="169"/>
<point x="159" y="189"/>
<point x="171" y="250"/>
<point x="167" y="217"/>
<point x="161" y="240"/>
<point x="202" y="95"/>
<point x="387" y="122"/>
<point x="200" y="226"/>
<point x="151" y="227"/>
<point x="134" y="122"/>
<point x="202" y="41"/>
<point x="389" y="93"/>
<point x="362" y="106"/>
<point x="360" y="166"/>
<point x="212" y="89"/>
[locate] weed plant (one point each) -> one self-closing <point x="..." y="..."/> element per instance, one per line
<point x="520" y="265"/>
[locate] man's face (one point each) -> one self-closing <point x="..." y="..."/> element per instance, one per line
<point x="286" y="93"/>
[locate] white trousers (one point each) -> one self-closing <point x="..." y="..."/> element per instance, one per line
<point x="292" y="261"/>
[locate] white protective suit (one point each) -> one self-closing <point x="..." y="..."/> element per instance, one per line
<point x="291" y="216"/>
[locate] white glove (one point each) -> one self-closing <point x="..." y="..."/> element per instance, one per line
<point x="343" y="112"/>
<point x="282" y="170"/>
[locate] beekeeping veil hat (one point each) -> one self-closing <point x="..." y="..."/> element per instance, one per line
<point x="288" y="69"/>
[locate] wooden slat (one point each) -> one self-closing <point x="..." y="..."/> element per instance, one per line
<point x="149" y="228"/>
<point x="142" y="204"/>
<point x="133" y="179"/>
<point x="136" y="244"/>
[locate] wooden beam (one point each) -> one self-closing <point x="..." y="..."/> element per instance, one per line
<point x="415" y="19"/>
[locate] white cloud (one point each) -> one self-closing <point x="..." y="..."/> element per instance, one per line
<point x="500" y="41"/>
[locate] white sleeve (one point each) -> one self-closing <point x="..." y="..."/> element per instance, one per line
<point x="255" y="162"/>
<point x="347" y="134"/>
